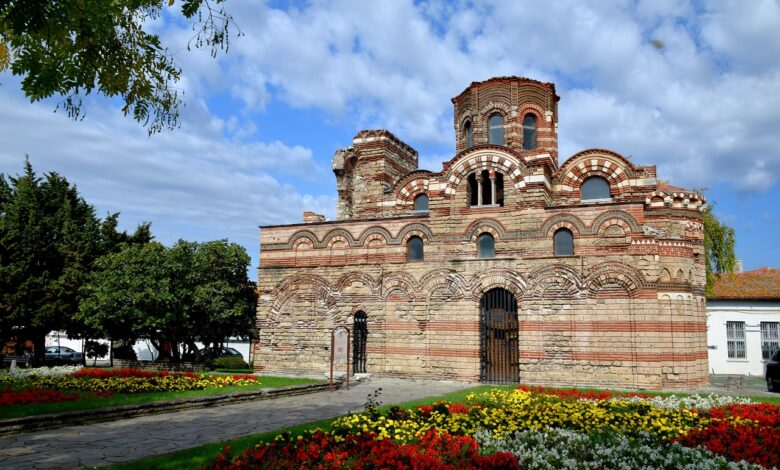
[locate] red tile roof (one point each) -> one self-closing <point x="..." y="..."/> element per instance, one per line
<point x="761" y="284"/>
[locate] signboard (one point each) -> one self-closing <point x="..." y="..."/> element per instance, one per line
<point x="340" y="345"/>
<point x="339" y="351"/>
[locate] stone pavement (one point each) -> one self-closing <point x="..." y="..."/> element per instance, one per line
<point x="135" y="438"/>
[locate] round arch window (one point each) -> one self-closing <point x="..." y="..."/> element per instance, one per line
<point x="563" y="242"/>
<point x="594" y="188"/>
<point x="421" y="203"/>
<point x="496" y="129"/>
<point x="486" y="246"/>
<point x="415" y="249"/>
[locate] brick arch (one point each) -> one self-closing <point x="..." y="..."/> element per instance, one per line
<point x="411" y="189"/>
<point x="563" y="278"/>
<point x="373" y="232"/>
<point x="613" y="272"/>
<point x="304" y="234"/>
<point x="290" y="285"/>
<point x="337" y="240"/>
<point x="492" y="107"/>
<point x="612" y="166"/>
<point x="534" y="109"/>
<point x="497" y="277"/>
<point x="443" y="277"/>
<point x="398" y="280"/>
<point x="624" y="219"/>
<point x="303" y="243"/>
<point x="413" y="229"/>
<point x="483" y="158"/>
<point x="338" y="232"/>
<point x="491" y="226"/>
<point x="351" y="277"/>
<point x="569" y="221"/>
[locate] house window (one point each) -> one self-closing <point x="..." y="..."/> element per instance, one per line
<point x="529" y="132"/>
<point x="421" y="203"/>
<point x="486" y="245"/>
<point x="770" y="338"/>
<point x="414" y="249"/>
<point x="486" y="190"/>
<point x="563" y="242"/>
<point x="735" y="339"/>
<point x="496" y="129"/>
<point x="469" y="134"/>
<point x="594" y="188"/>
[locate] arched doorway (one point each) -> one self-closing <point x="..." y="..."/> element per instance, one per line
<point x="499" y="344"/>
<point x="359" y="337"/>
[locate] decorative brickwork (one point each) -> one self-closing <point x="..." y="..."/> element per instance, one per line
<point x="625" y="310"/>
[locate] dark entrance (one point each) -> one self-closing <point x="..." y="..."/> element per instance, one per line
<point x="359" y="337"/>
<point x="499" y="353"/>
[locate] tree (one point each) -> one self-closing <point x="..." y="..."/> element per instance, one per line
<point x="719" y="243"/>
<point x="172" y="296"/>
<point x="71" y="48"/>
<point x="49" y="238"/>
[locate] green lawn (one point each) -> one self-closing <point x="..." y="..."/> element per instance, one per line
<point x="198" y="457"/>
<point x="88" y="401"/>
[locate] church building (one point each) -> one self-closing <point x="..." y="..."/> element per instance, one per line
<point x="505" y="266"/>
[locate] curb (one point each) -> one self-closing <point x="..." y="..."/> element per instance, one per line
<point x="72" y="418"/>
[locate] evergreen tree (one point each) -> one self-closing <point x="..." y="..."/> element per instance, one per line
<point x="49" y="239"/>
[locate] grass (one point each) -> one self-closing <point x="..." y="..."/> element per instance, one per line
<point x="90" y="401"/>
<point x="199" y="457"/>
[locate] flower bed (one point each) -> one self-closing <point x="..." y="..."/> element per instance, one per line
<point x="110" y="381"/>
<point x="540" y="428"/>
<point x="10" y="397"/>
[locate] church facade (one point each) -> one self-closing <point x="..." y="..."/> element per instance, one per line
<point x="503" y="267"/>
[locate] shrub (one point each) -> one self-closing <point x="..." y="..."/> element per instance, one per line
<point x="230" y="362"/>
<point x="125" y="353"/>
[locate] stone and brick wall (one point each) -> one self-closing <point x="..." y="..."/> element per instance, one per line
<point x="626" y="310"/>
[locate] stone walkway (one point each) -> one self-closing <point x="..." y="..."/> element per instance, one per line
<point x="135" y="438"/>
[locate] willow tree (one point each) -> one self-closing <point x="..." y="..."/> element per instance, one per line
<point x="719" y="243"/>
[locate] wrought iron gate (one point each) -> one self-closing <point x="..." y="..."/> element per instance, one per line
<point x="499" y="352"/>
<point x="359" y="337"/>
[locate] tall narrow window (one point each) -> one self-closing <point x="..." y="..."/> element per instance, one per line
<point x="359" y="340"/>
<point x="414" y="249"/>
<point x="594" y="188"/>
<point x="487" y="188"/>
<point x="486" y="245"/>
<point x="735" y="339"/>
<point x="469" y="132"/>
<point x="529" y="132"/>
<point x="421" y="203"/>
<point x="496" y="129"/>
<point x="770" y="338"/>
<point x="473" y="190"/>
<point x="563" y="242"/>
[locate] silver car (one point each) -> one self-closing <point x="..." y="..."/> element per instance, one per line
<point x="62" y="355"/>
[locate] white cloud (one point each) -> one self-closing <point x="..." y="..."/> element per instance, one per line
<point x="192" y="183"/>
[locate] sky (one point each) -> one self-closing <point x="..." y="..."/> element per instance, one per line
<point x="690" y="86"/>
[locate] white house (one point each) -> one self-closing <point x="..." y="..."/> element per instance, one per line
<point x="743" y="321"/>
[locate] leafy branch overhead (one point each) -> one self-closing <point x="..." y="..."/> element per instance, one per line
<point x="72" y="48"/>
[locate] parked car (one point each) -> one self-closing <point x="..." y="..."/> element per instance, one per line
<point x="207" y="354"/>
<point x="773" y="373"/>
<point x="62" y="355"/>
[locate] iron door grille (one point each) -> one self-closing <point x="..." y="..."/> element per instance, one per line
<point x="359" y="338"/>
<point x="500" y="338"/>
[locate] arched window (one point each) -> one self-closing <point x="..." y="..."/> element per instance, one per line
<point x="529" y="132"/>
<point x="486" y="245"/>
<point x="594" y="188"/>
<point x="414" y="249"/>
<point x="563" y="242"/>
<point x="496" y="129"/>
<point x="485" y="190"/>
<point x="421" y="203"/>
<point x="469" y="134"/>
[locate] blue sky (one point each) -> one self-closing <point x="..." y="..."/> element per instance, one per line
<point x="262" y="122"/>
